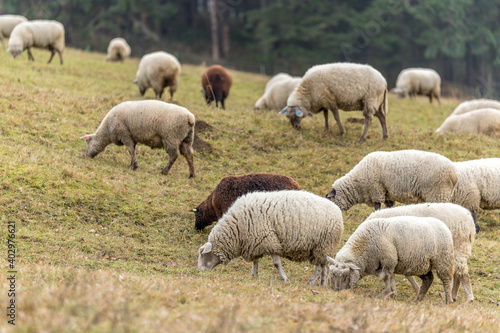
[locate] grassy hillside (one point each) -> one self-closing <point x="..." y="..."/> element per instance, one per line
<point x="103" y="248"/>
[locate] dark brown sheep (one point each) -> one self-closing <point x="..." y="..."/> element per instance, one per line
<point x="231" y="188"/>
<point x="216" y="82"/>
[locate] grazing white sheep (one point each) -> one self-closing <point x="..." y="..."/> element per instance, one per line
<point x="407" y="176"/>
<point x="153" y="123"/>
<point x="478" y="185"/>
<point x="158" y="70"/>
<point x="475" y="104"/>
<point x="276" y="78"/>
<point x="345" y="86"/>
<point x="461" y="224"/>
<point x="418" y="81"/>
<point x="405" y="245"/>
<point x="481" y="121"/>
<point x="39" y="33"/>
<point x="7" y="24"/>
<point x="118" y="50"/>
<point x="297" y="225"/>
<point x="276" y="96"/>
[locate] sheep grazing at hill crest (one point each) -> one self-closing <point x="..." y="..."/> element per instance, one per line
<point x="418" y="81"/>
<point x="118" y="50"/>
<point x="405" y="245"/>
<point x="158" y="70"/>
<point x="7" y="24"/>
<point x="153" y="123"/>
<point x="407" y="176"/>
<point x="296" y="225"/>
<point x="345" y="86"/>
<point x="231" y="188"/>
<point x="40" y="33"/>
<point x="216" y="82"/>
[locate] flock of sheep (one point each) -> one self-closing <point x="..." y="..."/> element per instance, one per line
<point x="269" y="214"/>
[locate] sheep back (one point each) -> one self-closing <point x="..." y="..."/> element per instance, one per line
<point x="158" y="70"/>
<point x="231" y="188"/>
<point x="475" y="104"/>
<point x="118" y="49"/>
<point x="396" y="176"/>
<point x="216" y="82"/>
<point x="481" y="121"/>
<point x="297" y="225"/>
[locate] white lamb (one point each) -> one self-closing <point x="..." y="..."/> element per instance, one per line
<point x="276" y="96"/>
<point x="297" y="225"/>
<point x="475" y="104"/>
<point x="158" y="70"/>
<point x="40" y="33"/>
<point x="344" y="86"/>
<point x="407" y="176"/>
<point x="118" y="50"/>
<point x="7" y="24"/>
<point x="153" y="123"/>
<point x="478" y="185"/>
<point x="418" y="81"/>
<point x="482" y="121"/>
<point x="405" y="245"/>
<point x="461" y="224"/>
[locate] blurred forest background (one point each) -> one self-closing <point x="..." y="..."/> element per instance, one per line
<point x="458" y="38"/>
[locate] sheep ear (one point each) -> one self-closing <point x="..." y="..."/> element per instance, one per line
<point x="330" y="260"/>
<point x="87" y="137"/>
<point x="283" y="111"/>
<point x="193" y="210"/>
<point x="331" y="194"/>
<point x="135" y="81"/>
<point x="203" y="91"/>
<point x="354" y="267"/>
<point x="206" y="248"/>
<point x="299" y="113"/>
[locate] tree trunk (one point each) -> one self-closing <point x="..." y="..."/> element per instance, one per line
<point x="215" y="35"/>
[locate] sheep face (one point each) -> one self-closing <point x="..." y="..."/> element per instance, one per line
<point x="142" y="90"/>
<point x="90" y="151"/>
<point x="200" y="223"/>
<point x="207" y="259"/>
<point x="400" y="92"/>
<point x="15" y="51"/>
<point x="338" y="198"/>
<point x="295" y="114"/>
<point x="342" y="275"/>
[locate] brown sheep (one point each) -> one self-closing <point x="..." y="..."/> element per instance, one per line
<point x="216" y="82"/>
<point x="231" y="188"/>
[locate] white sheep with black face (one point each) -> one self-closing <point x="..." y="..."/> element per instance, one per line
<point x="405" y="245"/>
<point x="296" y="225"/>
<point x="345" y="86"/>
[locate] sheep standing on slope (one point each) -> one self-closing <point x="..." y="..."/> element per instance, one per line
<point x="478" y="185"/>
<point x="39" y="33"/>
<point x="344" y="86"/>
<point x="118" y="50"/>
<point x="481" y="121"/>
<point x="7" y="24"/>
<point x="475" y="104"/>
<point x="153" y="123"/>
<point x="158" y="70"/>
<point x="296" y="225"/>
<point x="405" y="245"/>
<point x="418" y="81"/>
<point x="276" y="96"/>
<point x="216" y="82"/>
<point x="231" y="188"/>
<point x="461" y="224"/>
<point x="407" y="176"/>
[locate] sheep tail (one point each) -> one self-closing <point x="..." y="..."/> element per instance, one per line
<point x="383" y="106"/>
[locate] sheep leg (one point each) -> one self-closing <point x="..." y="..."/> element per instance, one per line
<point x="255" y="269"/>
<point x="52" y="53"/>
<point x="474" y="217"/>
<point x="469" y="296"/>
<point x="187" y="152"/>
<point x="317" y="273"/>
<point x="3" y="43"/>
<point x="172" y="157"/>
<point x="368" y="122"/>
<point x="131" y="150"/>
<point x="377" y="205"/>
<point x="339" y="123"/>
<point x="426" y="284"/>
<point x="324" y="276"/>
<point x="414" y="283"/>
<point x="430" y="97"/>
<point x="277" y="264"/>
<point x="455" y="287"/>
<point x="383" y="124"/>
<point x="222" y="104"/>
<point x="325" y="113"/>
<point x="60" y="56"/>
<point x="389" y="204"/>
<point x="30" y="55"/>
